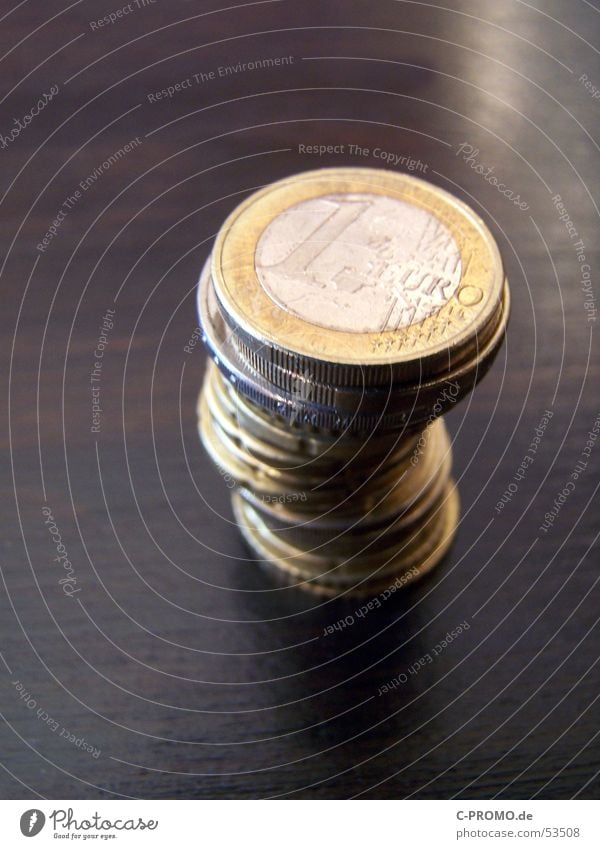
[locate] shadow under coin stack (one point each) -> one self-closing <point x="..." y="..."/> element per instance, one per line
<point x="346" y="310"/>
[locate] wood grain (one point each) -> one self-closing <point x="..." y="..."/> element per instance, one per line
<point x="185" y="664"/>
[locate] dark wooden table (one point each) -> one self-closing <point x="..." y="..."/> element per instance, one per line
<point x="166" y="664"/>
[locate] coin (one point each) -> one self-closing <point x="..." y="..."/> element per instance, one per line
<point x="414" y="348"/>
<point x="345" y="311"/>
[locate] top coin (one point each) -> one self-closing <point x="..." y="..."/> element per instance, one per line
<point x="357" y="267"/>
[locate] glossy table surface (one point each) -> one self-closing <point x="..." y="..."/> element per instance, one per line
<point x="144" y="654"/>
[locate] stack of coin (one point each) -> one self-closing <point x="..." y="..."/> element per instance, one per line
<point x="346" y="310"/>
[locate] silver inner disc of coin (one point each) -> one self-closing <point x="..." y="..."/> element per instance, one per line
<point x="358" y="262"/>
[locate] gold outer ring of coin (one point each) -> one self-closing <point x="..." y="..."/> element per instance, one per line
<point x="347" y="358"/>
